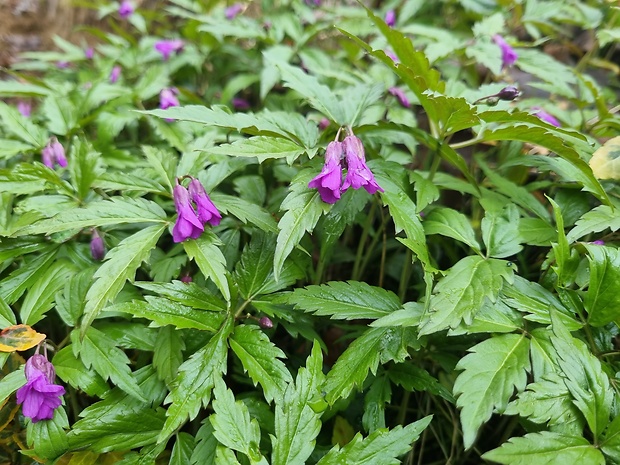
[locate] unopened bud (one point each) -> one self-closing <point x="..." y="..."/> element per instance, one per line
<point x="265" y="322"/>
<point x="186" y="279"/>
<point x="97" y="247"/>
<point x="508" y="93"/>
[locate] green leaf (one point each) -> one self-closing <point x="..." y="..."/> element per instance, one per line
<point x="297" y="424"/>
<point x="382" y="447"/>
<point x="546" y="448"/>
<point x="224" y="456"/>
<point x="206" y="444"/>
<point x="22" y="127"/>
<point x="260" y="358"/>
<point x="261" y="147"/>
<point x="602" y="299"/>
<point x="585" y="378"/>
<point x="491" y="372"/>
<point x="209" y="258"/>
<point x="182" y="449"/>
<point x="7" y="317"/>
<point x="168" y="353"/>
<point x="379" y="394"/>
<point x="462" y="292"/>
<point x="13" y="88"/>
<point x="254" y="272"/>
<point x="304" y="210"/>
<point x="247" y="212"/>
<point x="85" y="166"/>
<point x="450" y="223"/>
<point x="189" y="294"/>
<point x="494" y="317"/>
<point x="120" y="265"/>
<point x="500" y="232"/>
<point x="232" y="425"/>
<point x="106" y="212"/>
<point x="11" y="383"/>
<point x="598" y="219"/>
<point x="61" y="114"/>
<point x="49" y="437"/>
<point x="610" y="443"/>
<point x="162" y="312"/>
<point x="13" y="286"/>
<point x="345" y="300"/>
<point x="72" y="370"/>
<point x="99" y="351"/>
<point x="194" y="381"/>
<point x="70" y="300"/>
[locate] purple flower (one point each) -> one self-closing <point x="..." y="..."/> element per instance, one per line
<point x="546" y="117"/>
<point x="24" y="108"/>
<point x="97" y="247"/>
<point x="187" y="225"/>
<point x="168" y="98"/>
<point x="207" y="212"/>
<point x="125" y="9"/>
<point x="328" y="182"/>
<point x="115" y="74"/>
<point x="166" y="47"/>
<point x="391" y="55"/>
<point x="509" y="56"/>
<point x="265" y="322"/>
<point x="53" y="153"/>
<point x="62" y="64"/>
<point x="240" y="103"/>
<point x="233" y="11"/>
<point x="39" y="396"/>
<point x="598" y="242"/>
<point x="390" y="18"/>
<point x="323" y="124"/>
<point x="508" y="93"/>
<point x="358" y="174"/>
<point x="186" y="279"/>
<point x="89" y="53"/>
<point x="400" y="95"/>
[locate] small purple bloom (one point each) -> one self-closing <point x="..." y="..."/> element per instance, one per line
<point x="390" y="18"/>
<point x="115" y="74"/>
<point x="546" y="117"/>
<point x="358" y="173"/>
<point x="97" y="247"/>
<point x="328" y="182"/>
<point x="167" y="47"/>
<point x="125" y="9"/>
<point x="265" y="322"/>
<point x="186" y="279"/>
<point x="509" y="56"/>
<point x="323" y="124"/>
<point x="598" y="242"/>
<point x="53" y="153"/>
<point x="240" y="103"/>
<point x="391" y="55"/>
<point x="39" y="396"/>
<point x="24" y="108"/>
<point x="400" y="96"/>
<point x="62" y="64"/>
<point x="89" y="53"/>
<point x="207" y="212"/>
<point x="168" y="98"/>
<point x="187" y="225"/>
<point x="232" y="11"/>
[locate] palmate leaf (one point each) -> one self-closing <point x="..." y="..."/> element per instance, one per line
<point x="232" y="425"/>
<point x="120" y="265"/>
<point x="260" y="358"/>
<point x="104" y="213"/>
<point x="602" y="299"/>
<point x="195" y="379"/>
<point x="461" y="293"/>
<point x="304" y="208"/>
<point x="297" y="424"/>
<point x="598" y="219"/>
<point x="209" y="258"/>
<point x="500" y="231"/>
<point x="450" y="223"/>
<point x="100" y="352"/>
<point x="382" y="447"/>
<point x="546" y="448"/>
<point x="345" y="300"/>
<point x="491" y="372"/>
<point x="71" y="370"/>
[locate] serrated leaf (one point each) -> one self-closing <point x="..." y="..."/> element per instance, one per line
<point x="85" y="166"/>
<point x="602" y="299"/>
<point x="450" y="223"/>
<point x="49" y="437"/>
<point x="260" y="358"/>
<point x="261" y="147"/>
<point x="610" y="443"/>
<point x="194" y="381"/>
<point x="7" y="317"/>
<point x="182" y="449"/>
<point x="494" y="317"/>
<point x="100" y="352"/>
<point x="585" y="378"/>
<point x="22" y="127"/>
<point x="168" y="353"/>
<point x="11" y="383"/>
<point x="106" y="212"/>
<point x="546" y="448"/>
<point x="13" y="286"/>
<point x="72" y="370"/>
<point x="598" y="219"/>
<point x="247" y="212"/>
<point x="189" y="294"/>
<point x="382" y="447"/>
<point x="206" y="444"/>
<point x="378" y="395"/>
<point x="304" y="210"/>
<point x="70" y="300"/>
<point x="500" y="232"/>
<point x="209" y="258"/>
<point x="461" y="293"/>
<point x="491" y="373"/>
<point x="345" y="300"/>
<point x="232" y="425"/>
<point x="297" y="424"/>
<point x="120" y="265"/>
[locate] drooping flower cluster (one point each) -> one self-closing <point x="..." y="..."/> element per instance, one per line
<point x="329" y="181"/>
<point x="509" y="56"/>
<point x="39" y="396"/>
<point x="195" y="209"/>
<point x="53" y="153"/>
<point x="168" y="47"/>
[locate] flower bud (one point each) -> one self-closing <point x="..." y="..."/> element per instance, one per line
<point x="97" y="247"/>
<point x="265" y="322"/>
<point x="508" y="93"/>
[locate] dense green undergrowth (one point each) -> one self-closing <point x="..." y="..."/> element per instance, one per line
<point x="451" y="298"/>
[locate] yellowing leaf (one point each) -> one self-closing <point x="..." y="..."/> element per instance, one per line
<point x="19" y="337"/>
<point x="605" y="161"/>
